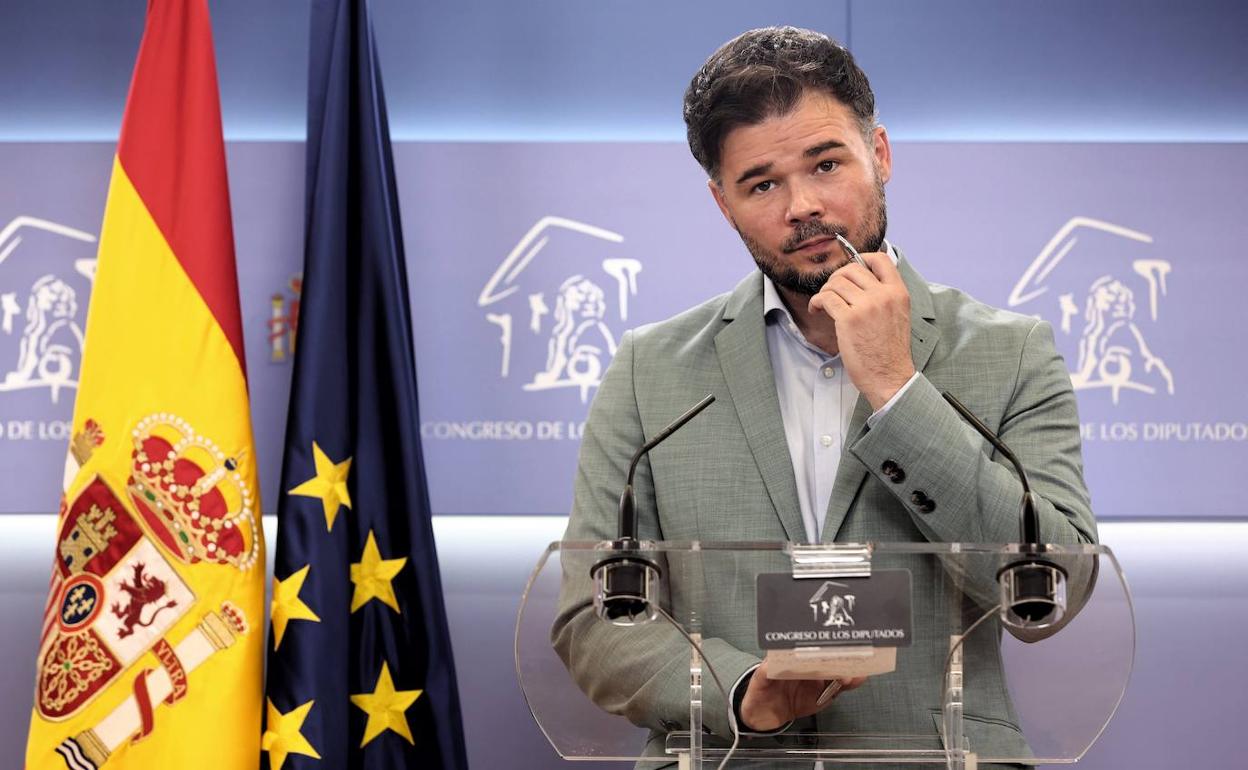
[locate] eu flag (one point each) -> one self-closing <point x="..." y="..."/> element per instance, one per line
<point x="360" y="673"/>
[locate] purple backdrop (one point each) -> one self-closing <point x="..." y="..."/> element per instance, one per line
<point x="528" y="261"/>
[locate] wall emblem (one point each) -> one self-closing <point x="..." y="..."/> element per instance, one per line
<point x="46" y="272"/>
<point x="555" y="314"/>
<point x="284" y="320"/>
<point x="1103" y="293"/>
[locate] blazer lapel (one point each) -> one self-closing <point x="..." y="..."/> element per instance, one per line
<point x="851" y="473"/>
<point x="746" y="364"/>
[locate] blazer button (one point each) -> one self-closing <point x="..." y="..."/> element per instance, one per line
<point x="918" y="497"/>
<point x="889" y="467"/>
<point x="927" y="507"/>
<point x="897" y="476"/>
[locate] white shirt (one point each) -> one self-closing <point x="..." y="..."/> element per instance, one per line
<point x="817" y="400"/>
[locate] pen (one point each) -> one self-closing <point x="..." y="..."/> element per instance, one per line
<point x="850" y="250"/>
<point x="828" y="692"/>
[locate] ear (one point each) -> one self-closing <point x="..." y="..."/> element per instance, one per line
<point x="717" y="193"/>
<point x="883" y="153"/>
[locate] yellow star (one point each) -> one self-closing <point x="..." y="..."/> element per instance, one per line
<point x="385" y="707"/>
<point x="284" y="737"/>
<point x="372" y="575"/>
<point x="329" y="484"/>
<point x="287" y="605"/>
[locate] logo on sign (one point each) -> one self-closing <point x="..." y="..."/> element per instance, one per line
<point x="830" y="606"/>
<point x="554" y="299"/>
<point x="858" y="610"/>
<point x="45" y="284"/>
<point x="1104" y="294"/>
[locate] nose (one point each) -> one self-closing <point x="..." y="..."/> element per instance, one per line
<point x="804" y="203"/>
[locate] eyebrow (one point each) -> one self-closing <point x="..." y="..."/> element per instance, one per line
<point x="810" y="152"/>
<point x="819" y="149"/>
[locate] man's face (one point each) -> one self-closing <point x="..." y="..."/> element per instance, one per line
<point x="788" y="185"/>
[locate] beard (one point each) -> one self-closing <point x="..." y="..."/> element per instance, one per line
<point x="808" y="283"/>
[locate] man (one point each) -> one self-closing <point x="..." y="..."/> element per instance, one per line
<point x="829" y="423"/>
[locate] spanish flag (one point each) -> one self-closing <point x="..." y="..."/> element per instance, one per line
<point x="150" y="654"/>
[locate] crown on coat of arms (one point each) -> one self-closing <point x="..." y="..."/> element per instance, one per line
<point x="192" y="494"/>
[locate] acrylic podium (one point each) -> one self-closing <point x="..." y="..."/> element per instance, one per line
<point x="981" y="676"/>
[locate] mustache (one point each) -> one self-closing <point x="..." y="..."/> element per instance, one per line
<point x="809" y="229"/>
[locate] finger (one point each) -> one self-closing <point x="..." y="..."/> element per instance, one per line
<point x="760" y="682"/>
<point x="853" y="683"/>
<point x="882" y="267"/>
<point x="843" y="286"/>
<point x="858" y="275"/>
<point x="828" y="302"/>
<point x="847" y="289"/>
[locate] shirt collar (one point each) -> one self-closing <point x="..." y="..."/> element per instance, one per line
<point x="773" y="305"/>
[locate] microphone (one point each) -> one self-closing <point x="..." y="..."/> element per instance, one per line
<point x="626" y="582"/>
<point x="1033" y="589"/>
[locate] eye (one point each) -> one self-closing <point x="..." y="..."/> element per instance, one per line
<point x="763" y="187"/>
<point x="828" y="166"/>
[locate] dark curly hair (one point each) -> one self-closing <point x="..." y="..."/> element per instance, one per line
<point x="762" y="73"/>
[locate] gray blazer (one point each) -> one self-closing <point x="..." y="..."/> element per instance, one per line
<point x="727" y="476"/>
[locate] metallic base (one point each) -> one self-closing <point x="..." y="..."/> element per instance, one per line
<point x="626" y="589"/>
<point x="1033" y="594"/>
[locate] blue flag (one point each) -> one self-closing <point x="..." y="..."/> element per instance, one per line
<point x="360" y="673"/>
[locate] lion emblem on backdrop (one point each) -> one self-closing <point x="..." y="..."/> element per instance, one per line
<point x="1120" y="289"/>
<point x="570" y="344"/>
<point x="45" y="285"/>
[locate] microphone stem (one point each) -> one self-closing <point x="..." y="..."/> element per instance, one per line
<point x="1029" y="521"/>
<point x="628" y="516"/>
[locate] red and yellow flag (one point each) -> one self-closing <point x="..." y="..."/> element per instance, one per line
<point x="150" y="654"/>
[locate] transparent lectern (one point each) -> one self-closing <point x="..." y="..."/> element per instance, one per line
<point x="973" y="684"/>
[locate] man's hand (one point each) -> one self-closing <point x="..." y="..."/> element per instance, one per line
<point x="770" y="704"/>
<point x="871" y="309"/>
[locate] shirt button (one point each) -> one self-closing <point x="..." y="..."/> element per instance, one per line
<point x="829" y="372"/>
<point x="826" y="440"/>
